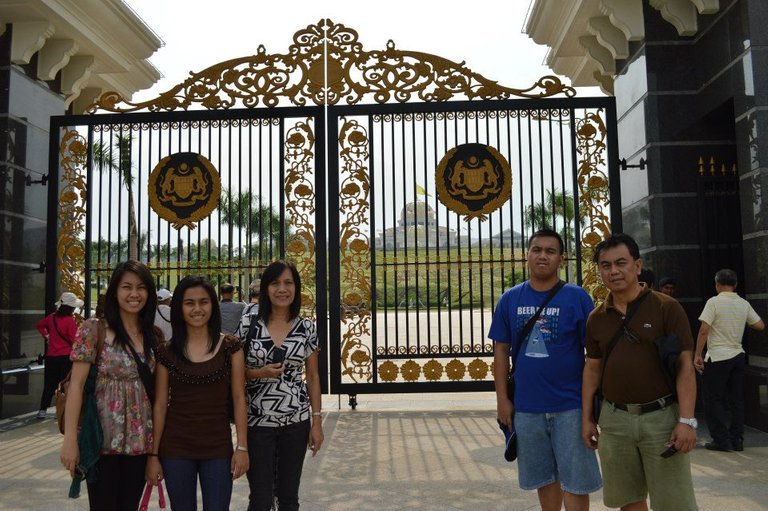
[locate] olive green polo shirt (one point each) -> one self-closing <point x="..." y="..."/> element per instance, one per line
<point x="633" y="373"/>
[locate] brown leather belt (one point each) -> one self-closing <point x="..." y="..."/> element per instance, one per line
<point x="640" y="409"/>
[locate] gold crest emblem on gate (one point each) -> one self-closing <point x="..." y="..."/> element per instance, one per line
<point x="473" y="180"/>
<point x="183" y="189"/>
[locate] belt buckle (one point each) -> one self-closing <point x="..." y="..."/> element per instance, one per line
<point x="635" y="409"/>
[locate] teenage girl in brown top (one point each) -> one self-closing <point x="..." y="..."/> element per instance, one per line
<point x="195" y="374"/>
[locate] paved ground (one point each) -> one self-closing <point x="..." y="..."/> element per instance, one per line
<point x="404" y="452"/>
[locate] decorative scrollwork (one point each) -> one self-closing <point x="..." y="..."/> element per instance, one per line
<point x="388" y="75"/>
<point x="433" y="370"/>
<point x="594" y="196"/>
<point x="70" y="247"/>
<point x="354" y="248"/>
<point x="300" y="207"/>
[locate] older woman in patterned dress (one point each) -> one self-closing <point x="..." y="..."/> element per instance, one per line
<point x="283" y="411"/>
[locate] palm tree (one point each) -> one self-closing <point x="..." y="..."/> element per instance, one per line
<point x="556" y="212"/>
<point x="117" y="158"/>
<point x="248" y="211"/>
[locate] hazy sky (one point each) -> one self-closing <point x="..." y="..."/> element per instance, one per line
<point x="486" y="34"/>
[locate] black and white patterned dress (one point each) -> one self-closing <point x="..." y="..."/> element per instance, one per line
<point x="274" y="402"/>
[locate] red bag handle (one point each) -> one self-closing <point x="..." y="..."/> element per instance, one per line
<point x="144" y="505"/>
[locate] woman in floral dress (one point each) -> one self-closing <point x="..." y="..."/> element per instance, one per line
<point x="116" y="481"/>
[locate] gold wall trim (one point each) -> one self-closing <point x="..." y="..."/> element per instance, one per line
<point x="355" y="253"/>
<point x="300" y="208"/>
<point x="387" y="75"/>
<point x="70" y="249"/>
<point x="434" y="370"/>
<point x="594" y="197"/>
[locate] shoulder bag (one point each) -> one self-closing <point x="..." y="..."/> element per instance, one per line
<point x="63" y="387"/>
<point x="597" y="399"/>
<point x="522" y="338"/>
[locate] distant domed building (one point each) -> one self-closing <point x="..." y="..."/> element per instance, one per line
<point x="417" y="227"/>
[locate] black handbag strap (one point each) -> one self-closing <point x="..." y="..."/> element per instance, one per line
<point x="56" y="326"/>
<point x="523" y="334"/>
<point x="624" y="322"/>
<point x="145" y="373"/>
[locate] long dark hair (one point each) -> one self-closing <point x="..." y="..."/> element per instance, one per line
<point x="147" y="313"/>
<point x="271" y="274"/>
<point x="65" y="310"/>
<point x="179" y="337"/>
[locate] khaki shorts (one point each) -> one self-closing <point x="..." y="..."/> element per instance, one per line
<point x="630" y="448"/>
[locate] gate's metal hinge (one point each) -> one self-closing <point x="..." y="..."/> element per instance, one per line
<point x="624" y="166"/>
<point x="43" y="180"/>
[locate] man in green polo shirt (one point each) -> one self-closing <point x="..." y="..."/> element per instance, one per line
<point x="722" y="327"/>
<point x="640" y="418"/>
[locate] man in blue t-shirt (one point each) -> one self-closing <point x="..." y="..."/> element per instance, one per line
<point x="552" y="459"/>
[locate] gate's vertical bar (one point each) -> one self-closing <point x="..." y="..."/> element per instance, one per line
<point x="404" y="217"/>
<point x="260" y="183"/>
<point x="614" y="184"/>
<point x="198" y="259"/>
<point x="386" y="262"/>
<point x="331" y="191"/>
<point x="281" y="239"/>
<point x="461" y="268"/>
<point x="271" y="198"/>
<point x="249" y="239"/>
<point x="416" y="226"/>
<point x="438" y="273"/>
<point x="52" y="227"/>
<point x="187" y="252"/>
<point x="577" y="198"/>
<point x="569" y="223"/>
<point x="140" y="196"/>
<point x="449" y="248"/>
<point x="427" y="248"/>
<point x="321" y="234"/>
<point x="395" y="265"/>
<point x="553" y="198"/>
<point x="372" y="236"/>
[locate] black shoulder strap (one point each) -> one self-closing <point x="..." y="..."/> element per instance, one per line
<point x="145" y="373"/>
<point x="523" y="334"/>
<point x="56" y="326"/>
<point x="624" y="322"/>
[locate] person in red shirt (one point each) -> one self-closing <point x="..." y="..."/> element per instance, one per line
<point x="59" y="329"/>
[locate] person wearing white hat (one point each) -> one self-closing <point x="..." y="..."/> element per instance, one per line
<point x="163" y="314"/>
<point x="59" y="330"/>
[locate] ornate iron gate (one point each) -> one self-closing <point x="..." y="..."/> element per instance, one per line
<point x="404" y="233"/>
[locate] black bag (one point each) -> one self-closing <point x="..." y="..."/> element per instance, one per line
<point x="668" y="347"/>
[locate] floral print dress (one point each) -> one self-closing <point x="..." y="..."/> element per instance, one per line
<point x="125" y="411"/>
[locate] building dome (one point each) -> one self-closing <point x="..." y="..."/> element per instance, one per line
<point x="417" y="213"/>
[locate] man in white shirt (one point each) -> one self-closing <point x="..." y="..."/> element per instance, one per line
<point x="163" y="314"/>
<point x="722" y="328"/>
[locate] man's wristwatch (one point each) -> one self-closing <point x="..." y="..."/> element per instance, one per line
<point x="691" y="422"/>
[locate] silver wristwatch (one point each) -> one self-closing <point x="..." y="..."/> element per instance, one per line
<point x="691" y="422"/>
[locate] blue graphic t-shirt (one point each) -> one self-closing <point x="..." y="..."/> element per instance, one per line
<point x="550" y="364"/>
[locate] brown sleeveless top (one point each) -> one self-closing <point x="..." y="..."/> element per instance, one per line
<point x="197" y="423"/>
